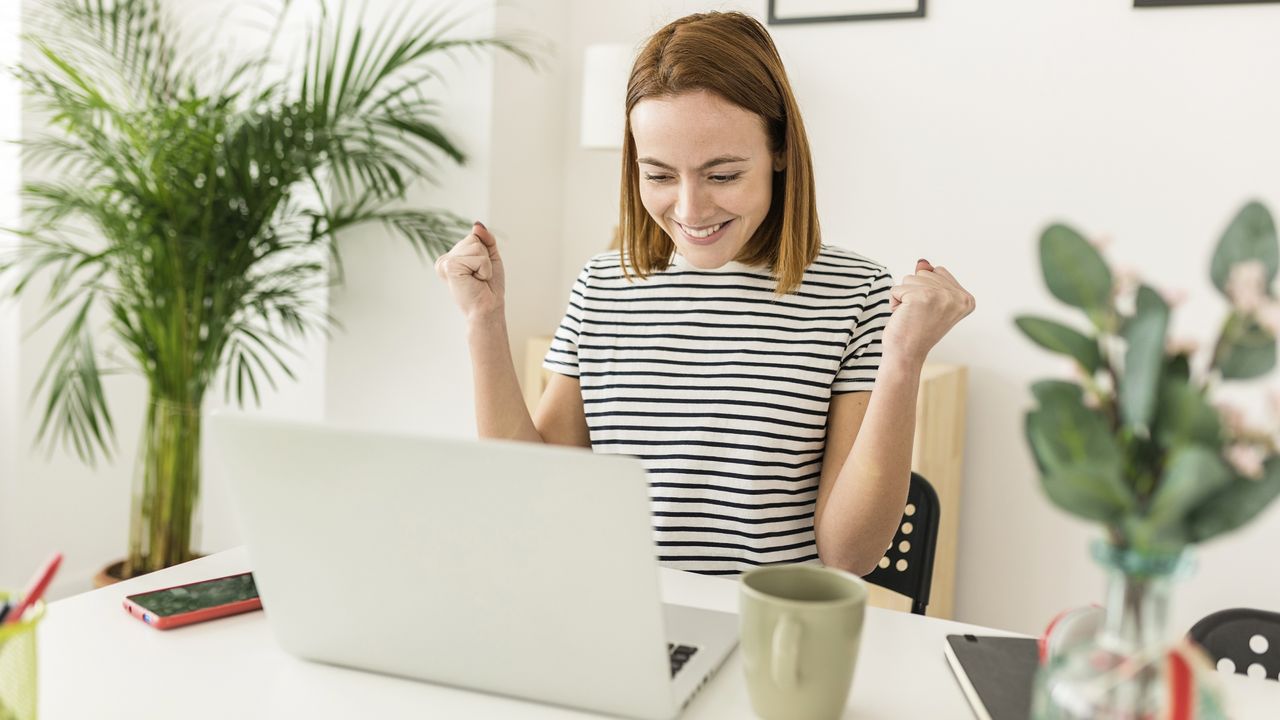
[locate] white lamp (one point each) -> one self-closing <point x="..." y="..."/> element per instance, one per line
<point x="605" y="70"/>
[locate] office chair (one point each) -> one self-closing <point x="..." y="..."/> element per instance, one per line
<point x="1241" y="640"/>
<point x="907" y="566"/>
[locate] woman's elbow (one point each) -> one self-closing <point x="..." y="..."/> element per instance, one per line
<point x="852" y="562"/>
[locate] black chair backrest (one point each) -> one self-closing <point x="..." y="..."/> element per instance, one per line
<point x="907" y="566"/>
<point x="1241" y="640"/>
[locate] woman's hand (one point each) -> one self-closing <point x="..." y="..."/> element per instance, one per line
<point x="473" y="269"/>
<point x="925" y="306"/>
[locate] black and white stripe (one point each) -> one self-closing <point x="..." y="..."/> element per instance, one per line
<point x="722" y="390"/>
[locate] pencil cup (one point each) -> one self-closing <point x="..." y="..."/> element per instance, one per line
<point x="18" y="665"/>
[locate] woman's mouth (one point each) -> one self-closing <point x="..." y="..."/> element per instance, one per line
<point x="704" y="235"/>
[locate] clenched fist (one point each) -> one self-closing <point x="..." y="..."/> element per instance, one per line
<point x="473" y="269"/>
<point x="925" y="306"/>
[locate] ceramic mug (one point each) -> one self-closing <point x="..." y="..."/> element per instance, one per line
<point x="800" y="630"/>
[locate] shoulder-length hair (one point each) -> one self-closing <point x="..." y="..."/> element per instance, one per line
<point x="729" y="54"/>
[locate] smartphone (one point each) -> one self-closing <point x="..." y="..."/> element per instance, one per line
<point x="194" y="602"/>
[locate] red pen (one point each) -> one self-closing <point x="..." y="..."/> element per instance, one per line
<point x="35" y="589"/>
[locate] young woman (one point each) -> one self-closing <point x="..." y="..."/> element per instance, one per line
<point x="767" y="381"/>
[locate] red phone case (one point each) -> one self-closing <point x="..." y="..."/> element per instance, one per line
<point x="165" y="622"/>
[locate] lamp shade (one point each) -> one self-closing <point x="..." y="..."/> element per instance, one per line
<point x="605" y="70"/>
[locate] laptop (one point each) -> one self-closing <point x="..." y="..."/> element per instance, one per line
<point x="519" y="569"/>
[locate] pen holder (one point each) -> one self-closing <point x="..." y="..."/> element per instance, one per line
<point x="18" y="665"/>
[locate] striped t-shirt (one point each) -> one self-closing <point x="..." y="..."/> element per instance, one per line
<point x="721" y="389"/>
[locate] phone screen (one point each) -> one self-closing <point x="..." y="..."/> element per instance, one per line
<point x="198" y="596"/>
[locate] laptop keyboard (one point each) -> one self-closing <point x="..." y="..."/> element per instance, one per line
<point x="680" y="655"/>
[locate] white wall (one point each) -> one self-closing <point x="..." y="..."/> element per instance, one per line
<point x="56" y="503"/>
<point x="10" y="123"/>
<point x="392" y="364"/>
<point x="401" y="362"/>
<point x="958" y="138"/>
<point x="528" y="167"/>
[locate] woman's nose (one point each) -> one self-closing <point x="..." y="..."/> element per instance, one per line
<point x="691" y="204"/>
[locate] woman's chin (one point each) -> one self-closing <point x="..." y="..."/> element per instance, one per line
<point x="709" y="257"/>
<point x="704" y="258"/>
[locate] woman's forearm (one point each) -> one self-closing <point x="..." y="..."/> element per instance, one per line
<point x="866" y="502"/>
<point x="500" y="410"/>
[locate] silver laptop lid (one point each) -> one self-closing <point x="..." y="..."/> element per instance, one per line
<point x="512" y="568"/>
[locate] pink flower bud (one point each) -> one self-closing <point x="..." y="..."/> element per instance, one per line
<point x="1124" y="280"/>
<point x="1246" y="285"/>
<point x="1246" y="460"/>
<point x="1233" y="420"/>
<point x="1269" y="316"/>
<point x="1173" y="297"/>
<point x="1181" y="346"/>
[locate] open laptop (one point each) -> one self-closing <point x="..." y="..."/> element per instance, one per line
<point x="520" y="569"/>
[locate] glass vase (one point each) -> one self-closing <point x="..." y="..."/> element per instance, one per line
<point x="166" y="487"/>
<point x="1121" y="672"/>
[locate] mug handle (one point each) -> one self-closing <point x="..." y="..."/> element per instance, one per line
<point x="786" y="652"/>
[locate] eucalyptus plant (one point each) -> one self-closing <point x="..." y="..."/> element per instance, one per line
<point x="1137" y="443"/>
<point x="191" y="205"/>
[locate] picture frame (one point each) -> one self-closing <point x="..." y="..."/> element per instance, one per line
<point x="1181" y="3"/>
<point x="795" y="12"/>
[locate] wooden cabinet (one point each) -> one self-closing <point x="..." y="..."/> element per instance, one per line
<point x="938" y="455"/>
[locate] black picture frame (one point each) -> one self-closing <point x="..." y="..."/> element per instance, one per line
<point x="1180" y="3"/>
<point x="785" y="19"/>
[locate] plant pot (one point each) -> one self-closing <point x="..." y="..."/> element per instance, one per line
<point x="114" y="573"/>
<point x="109" y="575"/>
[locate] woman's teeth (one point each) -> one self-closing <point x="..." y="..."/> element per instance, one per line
<point x="702" y="233"/>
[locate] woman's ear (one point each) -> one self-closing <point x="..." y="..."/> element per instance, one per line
<point x="779" y="162"/>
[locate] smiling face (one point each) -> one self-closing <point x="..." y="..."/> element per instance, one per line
<point x="706" y="173"/>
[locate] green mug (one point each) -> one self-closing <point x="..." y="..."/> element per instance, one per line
<point x="801" y="626"/>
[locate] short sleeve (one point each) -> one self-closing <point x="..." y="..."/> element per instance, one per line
<point x="861" y="359"/>
<point x="562" y="357"/>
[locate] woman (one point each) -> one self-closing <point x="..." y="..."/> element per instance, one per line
<point x="767" y="381"/>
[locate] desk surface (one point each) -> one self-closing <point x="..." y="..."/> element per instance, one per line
<point x="96" y="661"/>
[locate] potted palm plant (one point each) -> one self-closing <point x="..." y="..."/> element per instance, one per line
<point x="199" y="209"/>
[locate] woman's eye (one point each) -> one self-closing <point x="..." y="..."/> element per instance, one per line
<point x="657" y="178"/>
<point x="725" y="178"/>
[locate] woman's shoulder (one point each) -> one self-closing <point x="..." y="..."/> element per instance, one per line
<point x="842" y="261"/>
<point x="607" y="266"/>
<point x="607" y="260"/>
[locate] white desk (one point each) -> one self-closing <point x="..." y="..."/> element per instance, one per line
<point x="97" y="662"/>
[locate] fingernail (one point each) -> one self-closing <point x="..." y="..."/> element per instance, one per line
<point x="482" y="227"/>
<point x="921" y="260"/>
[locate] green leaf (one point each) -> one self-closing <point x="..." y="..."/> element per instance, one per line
<point x="1073" y="433"/>
<point x="1057" y="393"/>
<point x="1250" y="236"/>
<point x="1088" y="491"/>
<point x="1073" y="270"/>
<point x="1143" y="360"/>
<point x="1241" y="500"/>
<point x="1177" y="367"/>
<point x="1059" y="338"/>
<point x="1080" y="463"/>
<point x="1245" y="350"/>
<point x="1185" y="416"/>
<point x="1193" y="474"/>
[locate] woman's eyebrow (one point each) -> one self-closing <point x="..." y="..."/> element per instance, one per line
<point x="722" y="160"/>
